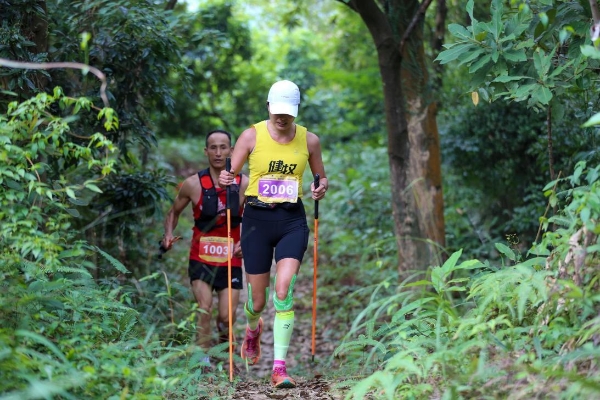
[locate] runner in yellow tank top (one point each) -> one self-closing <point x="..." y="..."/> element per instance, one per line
<point x="276" y="169"/>
<point x="274" y="220"/>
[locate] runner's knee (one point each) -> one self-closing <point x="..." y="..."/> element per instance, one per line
<point x="284" y="300"/>
<point x="256" y="305"/>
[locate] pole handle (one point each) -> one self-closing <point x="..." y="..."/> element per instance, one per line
<point x="317" y="184"/>
<point x="229" y="251"/>
<point x="228" y="189"/>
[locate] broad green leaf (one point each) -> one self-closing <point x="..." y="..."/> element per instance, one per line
<point x="543" y="18"/>
<point x="507" y="251"/>
<point x="73" y="212"/>
<point x="93" y="187"/>
<point x="418" y="283"/>
<point x="495" y="55"/>
<point x="515" y="55"/>
<point x="585" y="215"/>
<point x="592" y="176"/>
<point x="437" y="279"/>
<point x="536" y="261"/>
<point x="482" y="62"/>
<point x="483" y="93"/>
<point x="542" y="62"/>
<point x="469" y="9"/>
<point x="542" y="94"/>
<point x="466" y="59"/>
<point x="496" y="25"/>
<point x="594" y="120"/>
<point x="524" y="45"/>
<point x="454" y="52"/>
<point x="507" y="78"/>
<point x="459" y="31"/>
<point x="590" y="51"/>
<point x="525" y="90"/>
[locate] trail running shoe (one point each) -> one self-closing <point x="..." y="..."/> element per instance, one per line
<point x="281" y="380"/>
<point x="251" y="345"/>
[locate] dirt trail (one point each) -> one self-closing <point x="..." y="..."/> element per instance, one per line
<point x="311" y="383"/>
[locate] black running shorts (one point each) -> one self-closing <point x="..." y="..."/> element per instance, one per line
<point x="279" y="230"/>
<point x="215" y="276"/>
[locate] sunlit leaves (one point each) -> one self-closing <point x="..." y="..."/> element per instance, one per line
<point x="511" y="45"/>
<point x="49" y="140"/>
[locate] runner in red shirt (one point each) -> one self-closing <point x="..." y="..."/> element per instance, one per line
<point x="208" y="253"/>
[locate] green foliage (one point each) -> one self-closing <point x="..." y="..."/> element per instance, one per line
<point x="135" y="44"/>
<point x="477" y="330"/>
<point x="495" y="151"/>
<point x="527" y="53"/>
<point x="223" y="85"/>
<point x="356" y="206"/>
<point x="34" y="139"/>
<point x="63" y="333"/>
<point x="504" y="150"/>
<point x="17" y="18"/>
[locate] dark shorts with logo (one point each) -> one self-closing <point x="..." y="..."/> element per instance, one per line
<point x="215" y="276"/>
<point x="281" y="232"/>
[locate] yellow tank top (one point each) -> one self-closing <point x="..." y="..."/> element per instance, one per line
<point x="276" y="169"/>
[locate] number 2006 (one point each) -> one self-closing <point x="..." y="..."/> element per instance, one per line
<point x="278" y="190"/>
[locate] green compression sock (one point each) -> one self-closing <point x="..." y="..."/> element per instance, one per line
<point x="282" y="333"/>
<point x="252" y="317"/>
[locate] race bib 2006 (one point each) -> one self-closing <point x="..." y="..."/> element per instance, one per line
<point x="278" y="189"/>
<point x="213" y="249"/>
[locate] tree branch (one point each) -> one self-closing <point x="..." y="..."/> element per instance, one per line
<point x="349" y="5"/>
<point x="50" y="65"/>
<point x="373" y="17"/>
<point x="414" y="23"/>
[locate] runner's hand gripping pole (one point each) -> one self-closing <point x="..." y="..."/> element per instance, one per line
<point x="229" y="251"/>
<point x="162" y="249"/>
<point x="315" y="259"/>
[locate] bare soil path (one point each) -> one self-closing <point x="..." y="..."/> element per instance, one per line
<point x="310" y="376"/>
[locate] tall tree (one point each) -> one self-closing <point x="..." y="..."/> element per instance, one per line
<point x="396" y="27"/>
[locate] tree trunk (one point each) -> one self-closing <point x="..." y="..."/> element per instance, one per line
<point x="36" y="29"/>
<point x="413" y="139"/>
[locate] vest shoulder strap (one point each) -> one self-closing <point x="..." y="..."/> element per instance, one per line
<point x="206" y="181"/>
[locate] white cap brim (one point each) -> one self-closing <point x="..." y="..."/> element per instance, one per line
<point x="283" y="108"/>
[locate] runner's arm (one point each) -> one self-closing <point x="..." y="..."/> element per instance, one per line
<point x="242" y="149"/>
<point x="315" y="160"/>
<point x="181" y="201"/>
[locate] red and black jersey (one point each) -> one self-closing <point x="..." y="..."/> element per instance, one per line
<point x="209" y="241"/>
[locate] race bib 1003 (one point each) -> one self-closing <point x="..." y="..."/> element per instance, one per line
<point x="278" y="189"/>
<point x="213" y="249"/>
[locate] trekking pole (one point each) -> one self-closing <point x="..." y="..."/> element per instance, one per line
<point x="315" y="260"/>
<point x="162" y="249"/>
<point x="229" y="251"/>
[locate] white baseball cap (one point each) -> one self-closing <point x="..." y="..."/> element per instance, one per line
<point x="284" y="98"/>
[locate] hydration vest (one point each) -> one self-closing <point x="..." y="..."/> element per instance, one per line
<point x="210" y="203"/>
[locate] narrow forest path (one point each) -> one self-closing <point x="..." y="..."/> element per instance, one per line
<point x="313" y="378"/>
<point x="310" y="376"/>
